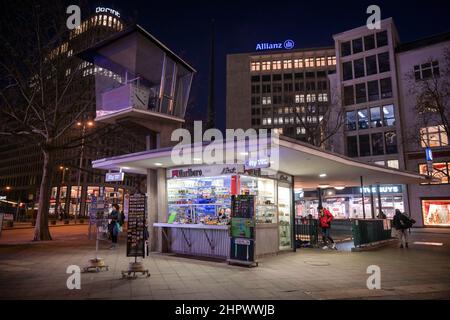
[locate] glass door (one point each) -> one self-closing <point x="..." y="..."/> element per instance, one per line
<point x="284" y="217"/>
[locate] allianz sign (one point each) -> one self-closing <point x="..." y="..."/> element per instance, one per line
<point x="287" y="45"/>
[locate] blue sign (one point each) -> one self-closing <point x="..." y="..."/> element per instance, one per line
<point x="287" y="45"/>
<point x="429" y="154"/>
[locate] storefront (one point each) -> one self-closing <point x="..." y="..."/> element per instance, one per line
<point x="347" y="203"/>
<point x="199" y="208"/>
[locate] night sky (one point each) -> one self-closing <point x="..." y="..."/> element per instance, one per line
<point x="184" y="26"/>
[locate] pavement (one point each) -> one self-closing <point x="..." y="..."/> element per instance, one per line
<point x="37" y="270"/>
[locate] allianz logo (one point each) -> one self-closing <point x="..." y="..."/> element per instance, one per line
<point x="288" y="45"/>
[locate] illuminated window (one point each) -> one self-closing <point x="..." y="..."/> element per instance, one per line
<point x="68" y="72"/>
<point x="332" y="61"/>
<point x="301" y="130"/>
<point x="298" y="63"/>
<point x="255" y="66"/>
<point x="320" y="62"/>
<point x="287" y="64"/>
<point x="436" y="212"/>
<point x="309" y="62"/>
<point x="276" y="65"/>
<point x="265" y="65"/>
<point x="323" y="97"/>
<point x="427" y="71"/>
<point x="266" y="100"/>
<point x="433" y="137"/>
<point x="393" y="164"/>
<point x="299" y="98"/>
<point x="440" y="172"/>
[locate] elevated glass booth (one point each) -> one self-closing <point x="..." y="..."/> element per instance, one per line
<point x="138" y="78"/>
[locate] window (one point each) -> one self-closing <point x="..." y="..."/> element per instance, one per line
<point x="364" y="145"/>
<point x="369" y="42"/>
<point x="256" y="101"/>
<point x="266" y="88"/>
<point x="309" y="63"/>
<point x="266" y="100"/>
<point x="287" y="76"/>
<point x="298" y="63"/>
<point x="440" y="171"/>
<point x="382" y="39"/>
<point x="256" y="78"/>
<point x="322" y="97"/>
<point x="393" y="164"/>
<point x="360" y="91"/>
<point x="363" y="119"/>
<point x="288" y="87"/>
<point x="371" y="65"/>
<point x="256" y="89"/>
<point x="375" y="117"/>
<point x="347" y="71"/>
<point x="357" y="45"/>
<point x="359" y="68"/>
<point x="386" y="88"/>
<point x="321" y="74"/>
<point x="331" y="61"/>
<point x="346" y="49"/>
<point x="383" y="62"/>
<point x="287" y="64"/>
<point x="373" y="90"/>
<point x="277" y="88"/>
<point x="349" y="97"/>
<point x="310" y="86"/>
<point x="299" y="76"/>
<point x="310" y="75"/>
<point x="255" y="66"/>
<point x="436" y="212"/>
<point x="266" y="78"/>
<point x="310" y="98"/>
<point x="352" y="146"/>
<point x="276" y="77"/>
<point x="350" y="119"/>
<point x="427" y="71"/>
<point x="276" y="65"/>
<point x="389" y="115"/>
<point x="300" y="98"/>
<point x="320" y="62"/>
<point x="377" y="144"/>
<point x="265" y="65"/>
<point x="433" y="137"/>
<point x="391" y="142"/>
<point x="322" y="85"/>
<point x="277" y="100"/>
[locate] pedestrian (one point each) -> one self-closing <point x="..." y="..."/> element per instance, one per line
<point x="325" y="218"/>
<point x="401" y="224"/>
<point x="382" y="216"/>
<point x="114" y="227"/>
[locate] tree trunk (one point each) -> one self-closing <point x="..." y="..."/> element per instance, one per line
<point x="41" y="231"/>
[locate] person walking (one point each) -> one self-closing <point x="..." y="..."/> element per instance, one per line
<point x="114" y="227"/>
<point x="382" y="216"/>
<point x="401" y="224"/>
<point x="325" y="218"/>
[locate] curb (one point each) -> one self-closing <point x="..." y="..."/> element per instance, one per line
<point x="51" y="226"/>
<point x="374" y="245"/>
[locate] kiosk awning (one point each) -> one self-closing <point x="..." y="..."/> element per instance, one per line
<point x="311" y="167"/>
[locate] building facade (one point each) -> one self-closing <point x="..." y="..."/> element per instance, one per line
<point x="286" y="91"/>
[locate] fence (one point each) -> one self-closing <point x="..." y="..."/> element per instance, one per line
<point x="369" y="231"/>
<point x="306" y="232"/>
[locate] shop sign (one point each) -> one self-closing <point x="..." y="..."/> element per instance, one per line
<point x="204" y="171"/>
<point x="107" y="10"/>
<point x="284" y="177"/>
<point x="383" y="189"/>
<point x="8" y="217"/>
<point x="287" y="45"/>
<point x="2" y="198"/>
<point x="115" y="177"/>
<point x="257" y="164"/>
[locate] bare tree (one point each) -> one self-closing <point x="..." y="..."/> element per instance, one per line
<point x="43" y="93"/>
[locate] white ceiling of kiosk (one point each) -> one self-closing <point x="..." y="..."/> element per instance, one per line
<point x="303" y="162"/>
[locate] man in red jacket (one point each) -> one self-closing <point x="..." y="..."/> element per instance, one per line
<point x="325" y="218"/>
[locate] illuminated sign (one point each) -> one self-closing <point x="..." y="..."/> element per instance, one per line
<point x="115" y="177"/>
<point x="383" y="189"/>
<point x="287" y="45"/>
<point x="107" y="10"/>
<point x="429" y="154"/>
<point x="257" y="164"/>
<point x="2" y="198"/>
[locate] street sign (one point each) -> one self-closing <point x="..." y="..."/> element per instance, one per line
<point x="429" y="154"/>
<point x="429" y="158"/>
<point x="115" y="177"/>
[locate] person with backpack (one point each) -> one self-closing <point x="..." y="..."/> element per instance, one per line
<point x="402" y="223"/>
<point x="114" y="226"/>
<point x="325" y="218"/>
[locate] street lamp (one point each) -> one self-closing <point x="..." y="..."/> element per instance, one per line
<point x="83" y="125"/>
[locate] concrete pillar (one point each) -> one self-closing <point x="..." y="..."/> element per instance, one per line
<point x="162" y="207"/>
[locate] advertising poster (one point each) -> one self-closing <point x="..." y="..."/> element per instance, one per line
<point x="136" y="224"/>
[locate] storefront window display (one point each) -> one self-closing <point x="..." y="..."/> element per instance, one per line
<point x="436" y="213"/>
<point x="284" y="216"/>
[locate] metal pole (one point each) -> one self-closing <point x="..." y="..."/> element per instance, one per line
<point x="380" y="208"/>
<point x="319" y="195"/>
<point x="293" y="218"/>
<point x="78" y="206"/>
<point x="362" y="198"/>
<point x="372" y="206"/>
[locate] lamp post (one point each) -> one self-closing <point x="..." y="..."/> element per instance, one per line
<point x="83" y="126"/>
<point x="58" y="195"/>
